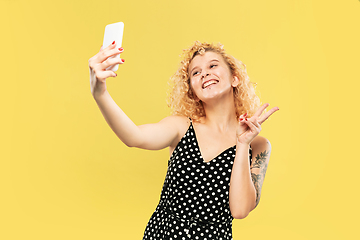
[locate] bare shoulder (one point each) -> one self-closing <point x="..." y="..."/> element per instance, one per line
<point x="260" y="143"/>
<point x="180" y="124"/>
<point x="261" y="149"/>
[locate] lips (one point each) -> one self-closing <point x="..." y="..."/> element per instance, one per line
<point x="209" y="82"/>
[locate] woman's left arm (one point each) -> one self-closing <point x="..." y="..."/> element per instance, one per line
<point x="246" y="181"/>
<point x="261" y="149"/>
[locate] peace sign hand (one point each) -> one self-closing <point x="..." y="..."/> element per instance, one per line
<point x="249" y="128"/>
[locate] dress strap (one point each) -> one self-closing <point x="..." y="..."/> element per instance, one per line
<point x="250" y="154"/>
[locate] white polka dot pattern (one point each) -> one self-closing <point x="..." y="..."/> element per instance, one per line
<point x="194" y="202"/>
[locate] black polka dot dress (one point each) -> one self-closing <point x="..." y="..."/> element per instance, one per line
<point x="194" y="202"/>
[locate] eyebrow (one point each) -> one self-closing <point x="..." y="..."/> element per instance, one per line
<point x="209" y="62"/>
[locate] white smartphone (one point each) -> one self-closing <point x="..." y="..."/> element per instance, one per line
<point x="114" y="32"/>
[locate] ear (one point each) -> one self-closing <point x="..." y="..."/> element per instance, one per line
<point x="235" y="81"/>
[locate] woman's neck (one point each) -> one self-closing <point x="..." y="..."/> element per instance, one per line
<point x="220" y="114"/>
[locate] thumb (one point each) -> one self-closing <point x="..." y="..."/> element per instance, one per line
<point x="242" y="122"/>
<point x="242" y="119"/>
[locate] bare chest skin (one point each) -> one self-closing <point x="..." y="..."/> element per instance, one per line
<point x="212" y="142"/>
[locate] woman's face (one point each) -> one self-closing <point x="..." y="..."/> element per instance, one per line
<point x="210" y="76"/>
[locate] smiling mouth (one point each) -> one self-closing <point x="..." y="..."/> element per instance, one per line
<point x="208" y="83"/>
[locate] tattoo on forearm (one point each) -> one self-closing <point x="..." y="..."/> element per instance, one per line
<point x="258" y="179"/>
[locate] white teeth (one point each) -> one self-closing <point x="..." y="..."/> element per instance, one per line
<point x="209" y="83"/>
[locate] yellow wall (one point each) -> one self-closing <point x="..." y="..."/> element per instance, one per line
<point x="65" y="175"/>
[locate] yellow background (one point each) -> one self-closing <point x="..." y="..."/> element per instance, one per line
<point x="65" y="175"/>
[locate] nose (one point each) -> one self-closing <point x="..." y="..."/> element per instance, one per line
<point x="205" y="74"/>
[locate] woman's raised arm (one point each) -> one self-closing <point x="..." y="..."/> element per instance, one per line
<point x="150" y="136"/>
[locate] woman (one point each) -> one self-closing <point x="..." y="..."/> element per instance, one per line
<point x="214" y="174"/>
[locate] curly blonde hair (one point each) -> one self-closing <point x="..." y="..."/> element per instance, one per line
<point x="181" y="98"/>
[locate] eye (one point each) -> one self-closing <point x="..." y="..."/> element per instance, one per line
<point x="195" y="73"/>
<point x="213" y="65"/>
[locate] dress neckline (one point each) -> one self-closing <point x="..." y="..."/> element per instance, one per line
<point x="201" y="155"/>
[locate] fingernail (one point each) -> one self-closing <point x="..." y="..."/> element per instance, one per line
<point x="241" y="119"/>
<point x="113" y="42"/>
<point x="245" y="115"/>
<point x="115" y="75"/>
<point x="245" y="119"/>
<point x="121" y="49"/>
<point x="123" y="60"/>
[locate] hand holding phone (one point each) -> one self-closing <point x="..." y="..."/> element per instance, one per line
<point x="113" y="32"/>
